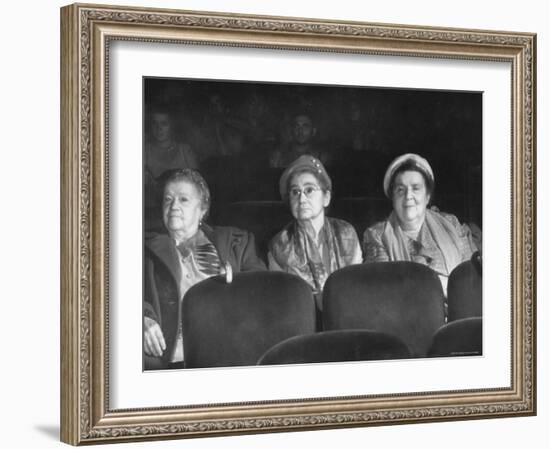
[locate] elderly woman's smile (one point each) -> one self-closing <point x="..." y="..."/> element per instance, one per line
<point x="410" y="198"/>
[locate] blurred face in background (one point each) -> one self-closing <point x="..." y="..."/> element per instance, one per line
<point x="302" y="129"/>
<point x="256" y="107"/>
<point x="161" y="126"/>
<point x="216" y="104"/>
<point x="354" y="111"/>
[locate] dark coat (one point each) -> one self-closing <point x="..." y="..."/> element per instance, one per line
<point x="162" y="271"/>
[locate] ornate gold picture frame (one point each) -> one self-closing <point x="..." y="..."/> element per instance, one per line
<point x="87" y="34"/>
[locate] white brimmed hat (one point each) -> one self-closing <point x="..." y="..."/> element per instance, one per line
<point x="418" y="161"/>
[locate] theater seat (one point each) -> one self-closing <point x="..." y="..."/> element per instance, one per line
<point x="263" y="218"/>
<point x="460" y="337"/>
<point x="266" y="218"/>
<point x="336" y="346"/>
<point x="153" y="363"/>
<point x="361" y="212"/>
<point x="234" y="324"/>
<point x="465" y="291"/>
<point x="404" y="299"/>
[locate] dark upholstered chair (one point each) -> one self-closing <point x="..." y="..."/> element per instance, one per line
<point x="460" y="337"/>
<point x="360" y="212"/>
<point x="404" y="299"/>
<point x="234" y="324"/>
<point x="263" y="218"/>
<point x="336" y="346"/>
<point x="153" y="363"/>
<point x="464" y="291"/>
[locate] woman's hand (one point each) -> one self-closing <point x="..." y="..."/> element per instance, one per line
<point x="153" y="339"/>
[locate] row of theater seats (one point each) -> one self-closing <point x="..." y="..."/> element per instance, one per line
<point x="376" y="311"/>
<point x="458" y="338"/>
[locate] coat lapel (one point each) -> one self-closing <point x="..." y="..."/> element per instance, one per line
<point x="221" y="245"/>
<point x="163" y="247"/>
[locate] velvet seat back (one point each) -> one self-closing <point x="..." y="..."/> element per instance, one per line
<point x="404" y="299"/>
<point x="458" y="338"/>
<point x="234" y="324"/>
<point x="336" y="346"/>
<point x="464" y="292"/>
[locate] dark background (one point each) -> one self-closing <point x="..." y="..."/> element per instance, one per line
<point x="233" y="127"/>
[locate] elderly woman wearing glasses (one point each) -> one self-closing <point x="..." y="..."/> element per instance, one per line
<point x="414" y="232"/>
<point x="312" y="246"/>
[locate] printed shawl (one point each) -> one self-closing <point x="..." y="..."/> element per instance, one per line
<point x="444" y="234"/>
<point x="296" y="252"/>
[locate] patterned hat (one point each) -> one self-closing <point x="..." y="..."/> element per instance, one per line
<point x="303" y="162"/>
<point x="416" y="160"/>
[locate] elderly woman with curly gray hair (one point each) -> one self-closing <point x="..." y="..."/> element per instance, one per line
<point x="189" y="252"/>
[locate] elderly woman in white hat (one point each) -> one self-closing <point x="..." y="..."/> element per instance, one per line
<point x="414" y="232"/>
<point x="312" y="246"/>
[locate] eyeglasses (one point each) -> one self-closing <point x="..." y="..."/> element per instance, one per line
<point x="308" y="191"/>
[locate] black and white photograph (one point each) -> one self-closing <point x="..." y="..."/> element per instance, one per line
<point x="304" y="223"/>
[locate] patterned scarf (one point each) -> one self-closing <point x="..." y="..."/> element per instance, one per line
<point x="449" y="245"/>
<point x="298" y="253"/>
<point x="204" y="253"/>
<point x="203" y="263"/>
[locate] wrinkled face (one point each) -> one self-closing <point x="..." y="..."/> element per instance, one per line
<point x="307" y="198"/>
<point x="303" y="129"/>
<point x="161" y="126"/>
<point x="410" y="197"/>
<point x="182" y="207"/>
